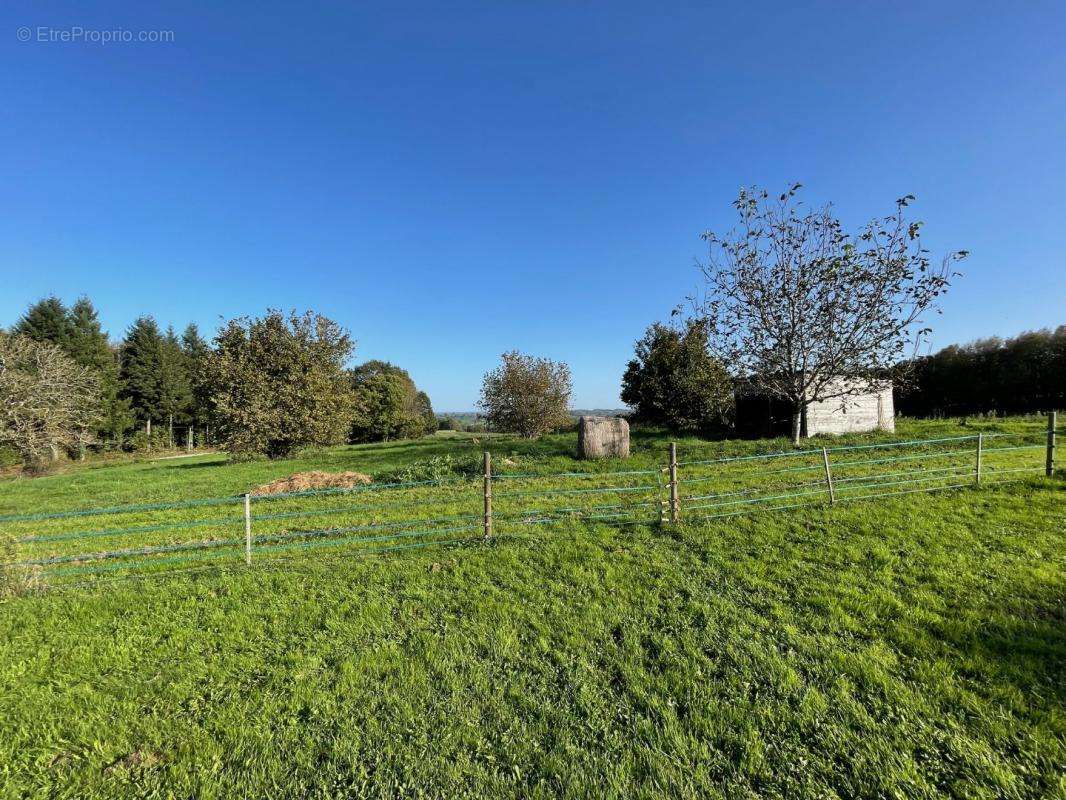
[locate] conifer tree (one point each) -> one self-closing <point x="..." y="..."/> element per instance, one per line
<point x="175" y="391"/>
<point x="197" y="352"/>
<point x="87" y="343"/>
<point x="140" y="362"/>
<point x="88" y="346"/>
<point x="46" y="320"/>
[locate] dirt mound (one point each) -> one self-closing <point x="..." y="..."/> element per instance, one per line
<point x="305" y="481"/>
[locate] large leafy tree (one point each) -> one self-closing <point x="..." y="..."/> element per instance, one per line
<point x="807" y="312"/>
<point x="673" y="380"/>
<point x="278" y="383"/>
<point x="48" y="402"/>
<point x="527" y="395"/>
<point x="387" y="404"/>
<point x="424" y="410"/>
<point x="379" y="407"/>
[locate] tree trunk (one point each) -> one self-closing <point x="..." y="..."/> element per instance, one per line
<point x="797" y="419"/>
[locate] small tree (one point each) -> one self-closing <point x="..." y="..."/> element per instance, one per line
<point x="674" y="381"/>
<point x="47" y="402"/>
<point x="526" y="395"/>
<point x="809" y="313"/>
<point x="278" y="383"/>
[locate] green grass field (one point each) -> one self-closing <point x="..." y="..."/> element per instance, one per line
<point x="911" y="645"/>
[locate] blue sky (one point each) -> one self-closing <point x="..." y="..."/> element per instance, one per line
<point x="450" y="181"/>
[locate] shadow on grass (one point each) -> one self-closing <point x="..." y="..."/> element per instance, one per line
<point x="1029" y="650"/>
<point x="198" y="464"/>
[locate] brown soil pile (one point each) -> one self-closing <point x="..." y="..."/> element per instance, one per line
<point x="305" y="481"/>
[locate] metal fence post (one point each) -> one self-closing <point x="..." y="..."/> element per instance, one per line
<point x="1049" y="465"/>
<point x="248" y="529"/>
<point x="828" y="477"/>
<point x="488" y="496"/>
<point x="980" y="447"/>
<point x="675" y="501"/>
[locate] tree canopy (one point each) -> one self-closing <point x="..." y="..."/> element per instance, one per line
<point x="388" y="405"/>
<point x="673" y="381"/>
<point x="47" y="320"/>
<point x="527" y="395"/>
<point x="141" y="361"/>
<point x="47" y="401"/>
<point x="1024" y="374"/>
<point x="278" y="383"/>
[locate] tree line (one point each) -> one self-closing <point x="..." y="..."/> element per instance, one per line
<point x="1022" y="375"/>
<point x="266" y="385"/>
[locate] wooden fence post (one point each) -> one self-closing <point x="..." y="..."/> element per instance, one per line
<point x="248" y="529"/>
<point x="1049" y="465"/>
<point x="189" y="439"/>
<point x="828" y="477"/>
<point x="487" y="520"/>
<point x="675" y="500"/>
<point x="980" y="448"/>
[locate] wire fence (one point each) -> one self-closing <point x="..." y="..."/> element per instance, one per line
<point x="71" y="546"/>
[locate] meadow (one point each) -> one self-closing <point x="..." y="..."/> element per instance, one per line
<point x="908" y="645"/>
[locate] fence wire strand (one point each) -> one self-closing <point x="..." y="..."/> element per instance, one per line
<point x="632" y="504"/>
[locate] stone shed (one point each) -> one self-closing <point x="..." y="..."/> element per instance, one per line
<point x="871" y="408"/>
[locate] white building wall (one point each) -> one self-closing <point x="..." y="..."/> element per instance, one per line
<point x="869" y="411"/>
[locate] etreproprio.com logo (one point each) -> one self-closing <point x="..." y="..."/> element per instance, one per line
<point x="79" y="34"/>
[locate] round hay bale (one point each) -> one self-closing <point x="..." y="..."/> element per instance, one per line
<point x="602" y="437"/>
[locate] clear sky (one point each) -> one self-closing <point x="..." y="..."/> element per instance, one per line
<point x="452" y="180"/>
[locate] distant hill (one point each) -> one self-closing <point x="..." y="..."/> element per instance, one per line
<point x="470" y="417"/>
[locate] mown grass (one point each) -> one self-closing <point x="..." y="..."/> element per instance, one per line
<point x="910" y="646"/>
